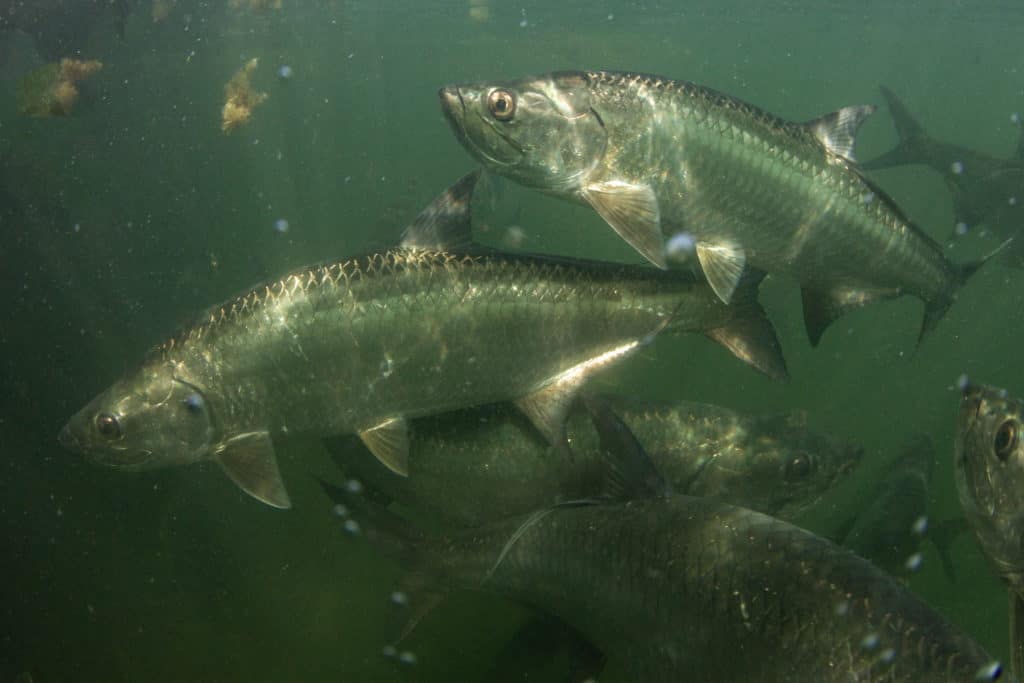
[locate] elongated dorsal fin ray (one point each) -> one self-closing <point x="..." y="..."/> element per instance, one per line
<point x="837" y="131"/>
<point x="723" y="266"/>
<point x="446" y="222"/>
<point x="389" y="443"/>
<point x="248" y="460"/>
<point x="548" y="406"/>
<point x="632" y="211"/>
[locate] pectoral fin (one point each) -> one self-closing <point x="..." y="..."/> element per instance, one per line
<point x="723" y="266"/>
<point x="632" y="211"/>
<point x="548" y="406"/>
<point x="389" y="443"/>
<point x="248" y="459"/>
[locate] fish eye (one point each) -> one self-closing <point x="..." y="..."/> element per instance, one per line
<point x="108" y="426"/>
<point x="502" y="104"/>
<point x="1006" y="439"/>
<point x="798" y="468"/>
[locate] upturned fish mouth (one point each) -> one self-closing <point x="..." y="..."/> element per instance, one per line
<point x="68" y="440"/>
<point x="454" y="109"/>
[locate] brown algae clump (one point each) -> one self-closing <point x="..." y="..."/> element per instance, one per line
<point x="240" y="99"/>
<point x="51" y="89"/>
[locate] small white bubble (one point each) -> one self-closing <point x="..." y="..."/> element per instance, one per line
<point x="869" y="642"/>
<point x="340" y="510"/>
<point x="354" y="486"/>
<point x="681" y="246"/>
<point x="989" y="672"/>
<point x="842" y="609"/>
<point x="523" y="23"/>
<point x="389" y="651"/>
<point x="1014" y="119"/>
<point x="351" y="527"/>
<point x="611" y="17"/>
<point x="957" y="167"/>
<point x="962" y="228"/>
<point x="914" y="562"/>
<point x="1012" y="201"/>
<point x="408" y="658"/>
<point x="887" y="655"/>
<point x="867" y="197"/>
<point x="514" y="237"/>
<point x="920" y="525"/>
<point x="399" y="598"/>
<point x="963" y="382"/>
<point x="281" y="225"/>
<point x="78" y="227"/>
<point x="284" y="71"/>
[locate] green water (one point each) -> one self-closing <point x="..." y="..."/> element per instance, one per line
<point x="120" y="222"/>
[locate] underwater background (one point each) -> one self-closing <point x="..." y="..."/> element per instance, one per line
<point x="122" y="221"/>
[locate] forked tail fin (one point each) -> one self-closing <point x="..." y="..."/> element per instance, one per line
<point x="913" y="144"/>
<point x="935" y="309"/>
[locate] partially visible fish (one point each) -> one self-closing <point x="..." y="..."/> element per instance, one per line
<point x="677" y="588"/>
<point x="659" y="158"/>
<point x="485" y="464"/>
<point x="361" y="346"/>
<point x="989" y="470"/>
<point x="987" y="191"/>
<point x="894" y="521"/>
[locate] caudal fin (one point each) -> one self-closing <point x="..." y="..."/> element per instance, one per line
<point x="935" y="309"/>
<point x="749" y="334"/>
<point x="914" y="141"/>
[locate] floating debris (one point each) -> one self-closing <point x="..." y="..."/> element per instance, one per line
<point x="255" y="5"/>
<point x="241" y="99"/>
<point x="161" y="9"/>
<point x="50" y="90"/>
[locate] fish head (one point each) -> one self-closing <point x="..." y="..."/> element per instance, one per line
<point x="542" y="132"/>
<point x="150" y="419"/>
<point x="989" y="471"/>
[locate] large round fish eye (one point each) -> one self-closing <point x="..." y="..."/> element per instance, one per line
<point x="108" y="426"/>
<point x="797" y="468"/>
<point x="1006" y="439"/>
<point x="502" y="104"/>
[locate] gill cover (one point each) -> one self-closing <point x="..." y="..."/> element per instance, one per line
<point x="542" y="132"/>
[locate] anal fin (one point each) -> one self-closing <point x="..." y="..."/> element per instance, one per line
<point x="248" y="459"/>
<point x="632" y="211"/>
<point x="389" y="443"/>
<point x="723" y="266"/>
<point x="548" y="406"/>
<point x="823" y="307"/>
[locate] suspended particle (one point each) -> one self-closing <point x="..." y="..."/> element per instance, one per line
<point x="351" y="527"/>
<point x="990" y="672"/>
<point x="284" y="72"/>
<point x="869" y="642"/>
<point x="914" y="562"/>
<point x="389" y="651"/>
<point x="1012" y="201"/>
<point x="963" y="382"/>
<point x="962" y="229"/>
<point x="408" y="658"/>
<point x="957" y="167"/>
<point x="681" y="246"/>
<point x="1015" y="120"/>
<point x="920" y="525"/>
<point x="399" y="598"/>
<point x="887" y="655"/>
<point x="842" y="609"/>
<point x="281" y="225"/>
<point x="340" y="511"/>
<point x="354" y="486"/>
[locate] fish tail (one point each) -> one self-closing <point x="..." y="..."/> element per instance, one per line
<point x="748" y="333"/>
<point x="936" y="308"/>
<point x="913" y="143"/>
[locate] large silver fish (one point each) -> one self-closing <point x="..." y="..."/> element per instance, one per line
<point x="657" y="157"/>
<point x="677" y="588"/>
<point x="987" y="191"/>
<point x="360" y="346"/>
<point x="989" y="470"/>
<point x="485" y="464"/>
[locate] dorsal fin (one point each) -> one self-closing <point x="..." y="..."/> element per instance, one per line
<point x="630" y="472"/>
<point x="445" y="223"/>
<point x="837" y="131"/>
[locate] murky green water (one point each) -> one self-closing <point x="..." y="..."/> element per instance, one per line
<point x="121" y="221"/>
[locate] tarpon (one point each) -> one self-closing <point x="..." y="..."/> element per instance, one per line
<point x="677" y="588"/>
<point x="987" y="191"/>
<point x="989" y="470"/>
<point x="488" y="463"/>
<point x="660" y="158"/>
<point x="361" y="345"/>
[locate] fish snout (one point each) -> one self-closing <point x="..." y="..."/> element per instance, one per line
<point x="451" y="103"/>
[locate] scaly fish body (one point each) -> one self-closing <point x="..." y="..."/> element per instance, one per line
<point x="488" y="464"/>
<point x="362" y="345"/>
<point x="656" y="157"/>
<point x="683" y="588"/>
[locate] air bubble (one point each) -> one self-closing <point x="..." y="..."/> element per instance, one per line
<point x="920" y="525"/>
<point x="408" y="658"/>
<point x="962" y="228"/>
<point x="281" y="225"/>
<point x="914" y="562"/>
<point x="354" y="486"/>
<point x="869" y="642"/>
<point x="963" y="382"/>
<point x="990" y="672"/>
<point x="284" y="72"/>
<point x="351" y="527"/>
<point x="340" y="510"/>
<point x="399" y="598"/>
<point x="957" y="167"/>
